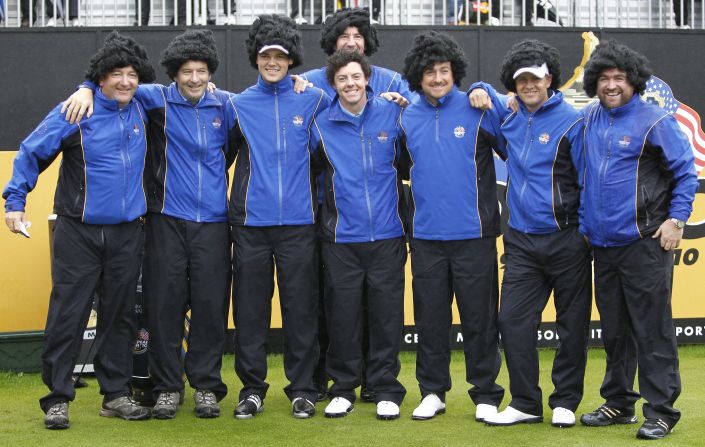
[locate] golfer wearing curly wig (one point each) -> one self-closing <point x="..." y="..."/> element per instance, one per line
<point x="544" y="252"/>
<point x="453" y="224"/>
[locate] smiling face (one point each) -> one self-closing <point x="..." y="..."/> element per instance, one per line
<point x="437" y="81"/>
<point x="273" y="65"/>
<point x="533" y="91"/>
<point x="614" y="88"/>
<point x="350" y="83"/>
<point x="192" y="80"/>
<point x="120" y="84"/>
<point x="351" y="40"/>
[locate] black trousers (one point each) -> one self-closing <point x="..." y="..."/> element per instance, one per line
<point x="86" y="258"/>
<point x="256" y="251"/>
<point x="186" y="266"/>
<point x="536" y="265"/>
<point x="376" y="268"/>
<point x="468" y="270"/>
<point x="633" y="293"/>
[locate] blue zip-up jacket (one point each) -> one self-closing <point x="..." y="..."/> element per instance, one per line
<point x="453" y="190"/>
<point x="362" y="188"/>
<point x="381" y="80"/>
<point x="188" y="159"/>
<point x="544" y="159"/>
<point x="273" y="182"/>
<point x="100" y="178"/>
<point x="186" y="172"/>
<point x="639" y="172"/>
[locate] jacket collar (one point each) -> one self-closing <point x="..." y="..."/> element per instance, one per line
<point x="441" y="101"/>
<point x="336" y="112"/>
<point x="173" y="95"/>
<point x="285" y="85"/>
<point x="552" y="101"/>
<point x="626" y="108"/>
<point x="107" y="103"/>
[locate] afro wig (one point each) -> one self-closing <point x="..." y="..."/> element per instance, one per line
<point x="193" y="45"/>
<point x="273" y="29"/>
<point x="429" y="49"/>
<point x="612" y="54"/>
<point x="528" y="53"/>
<point x="119" y="52"/>
<point x="340" y="59"/>
<point x="336" y="24"/>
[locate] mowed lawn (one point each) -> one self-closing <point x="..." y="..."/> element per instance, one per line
<point x="21" y="419"/>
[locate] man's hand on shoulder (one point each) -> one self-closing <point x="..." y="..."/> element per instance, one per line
<point x="395" y="97"/>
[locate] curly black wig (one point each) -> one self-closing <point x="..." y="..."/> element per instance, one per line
<point x="193" y="45"/>
<point x="273" y="29"/>
<point x="340" y="21"/>
<point x="340" y="59"/>
<point x="429" y="49"/>
<point x="528" y="53"/>
<point x="118" y="52"/>
<point x="612" y="54"/>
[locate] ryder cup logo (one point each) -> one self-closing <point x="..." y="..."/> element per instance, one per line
<point x="624" y="142"/>
<point x="136" y="129"/>
<point x="383" y="137"/>
<point x="459" y="132"/>
<point x="298" y="120"/>
<point x="216" y="122"/>
<point x="544" y="138"/>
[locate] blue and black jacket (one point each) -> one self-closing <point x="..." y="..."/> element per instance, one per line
<point x="186" y="172"/>
<point x="453" y="191"/>
<point x="639" y="172"/>
<point x="544" y="152"/>
<point x="273" y="182"/>
<point x="381" y="80"/>
<point x="101" y="173"/>
<point x="362" y="189"/>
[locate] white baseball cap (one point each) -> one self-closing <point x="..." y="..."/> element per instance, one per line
<point x="538" y="71"/>
<point x="276" y="47"/>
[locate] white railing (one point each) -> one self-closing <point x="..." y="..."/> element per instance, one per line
<point x="577" y="13"/>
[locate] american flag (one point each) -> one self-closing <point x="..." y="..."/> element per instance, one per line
<point x="687" y="118"/>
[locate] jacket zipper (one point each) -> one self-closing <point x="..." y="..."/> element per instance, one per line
<point x="365" y="169"/>
<point x="603" y="174"/>
<point x="199" y="167"/>
<point x="279" y="155"/>
<point x="123" y="146"/>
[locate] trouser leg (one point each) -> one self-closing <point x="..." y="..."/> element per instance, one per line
<point x="525" y="292"/>
<point x="76" y="267"/>
<point x="474" y="272"/>
<point x="344" y="282"/>
<point x="297" y="278"/>
<point x="571" y="270"/>
<point x="385" y="316"/>
<point x="253" y="287"/>
<point x="432" y="316"/>
<point x="647" y="281"/>
<point x="209" y="278"/>
<point x="618" y="384"/>
<point x="165" y="289"/>
<point x="117" y="323"/>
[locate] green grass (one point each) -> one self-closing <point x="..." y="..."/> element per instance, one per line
<point x="21" y="419"/>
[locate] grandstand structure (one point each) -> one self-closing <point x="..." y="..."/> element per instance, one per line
<point x="572" y="13"/>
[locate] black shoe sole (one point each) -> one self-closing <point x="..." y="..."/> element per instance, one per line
<point x="163" y="416"/>
<point x="562" y="425"/>
<point x="535" y="420"/>
<point x="303" y="415"/>
<point x="339" y="415"/>
<point x="424" y="418"/>
<point x="387" y="418"/>
<point x="207" y="414"/>
<point x="621" y="420"/>
<point x="651" y="438"/>
<point x="114" y="414"/>
<point x="57" y="426"/>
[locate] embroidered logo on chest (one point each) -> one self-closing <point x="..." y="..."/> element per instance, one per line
<point x="459" y="132"/>
<point x="136" y="129"/>
<point x="383" y="137"/>
<point x="217" y="123"/>
<point x="624" y="142"/>
<point x="544" y="138"/>
<point x="298" y="120"/>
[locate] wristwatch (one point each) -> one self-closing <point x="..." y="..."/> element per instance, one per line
<point x="680" y="224"/>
